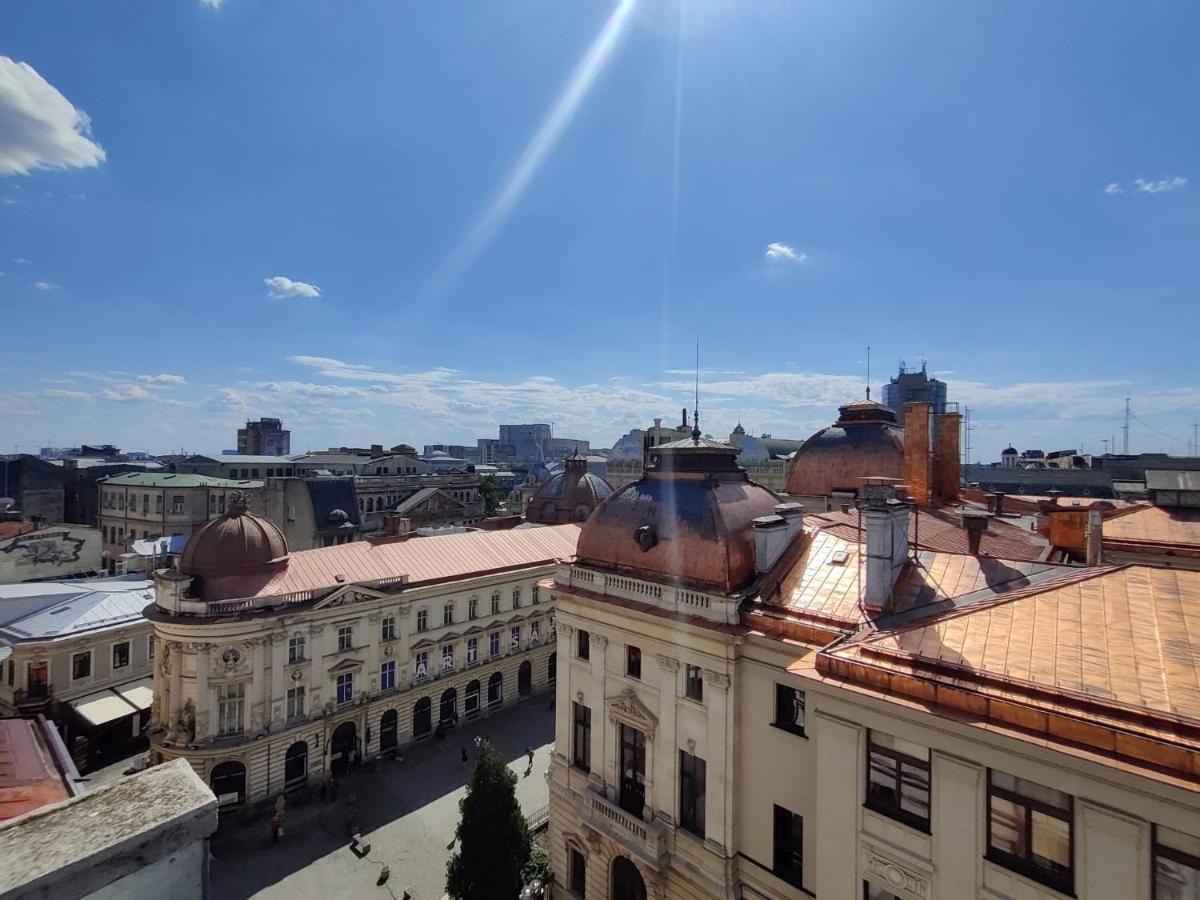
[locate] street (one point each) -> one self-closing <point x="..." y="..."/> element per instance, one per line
<point x="405" y="810"/>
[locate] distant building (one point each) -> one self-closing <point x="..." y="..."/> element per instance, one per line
<point x="913" y="386"/>
<point x="626" y="458"/>
<point x="493" y="451"/>
<point x="34" y="485"/>
<point x="266" y="437"/>
<point x="236" y="465"/>
<point x="569" y="496"/>
<point x="764" y="458"/>
<point x="30" y="553"/>
<point x="530" y="442"/>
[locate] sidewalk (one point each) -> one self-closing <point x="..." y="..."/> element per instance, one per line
<point x="406" y="810"/>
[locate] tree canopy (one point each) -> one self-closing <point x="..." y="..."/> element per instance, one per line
<point x="493" y="836"/>
<point x="492" y="493"/>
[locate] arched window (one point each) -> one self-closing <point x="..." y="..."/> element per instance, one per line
<point x="295" y="764"/>
<point x="471" y="699"/>
<point x="387" y="731"/>
<point x="448" y="707"/>
<point x="422" y="718"/>
<point x="228" y="782"/>
<point x="495" y="695"/>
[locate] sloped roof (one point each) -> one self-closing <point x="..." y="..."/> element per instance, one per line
<point x="1167" y="480"/>
<point x="1155" y="525"/>
<point x="423" y="559"/>
<point x="172" y="479"/>
<point x="61" y="609"/>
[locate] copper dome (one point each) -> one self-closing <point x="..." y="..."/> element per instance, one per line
<point x="687" y="520"/>
<point x="866" y="440"/>
<point x="237" y="543"/>
<point x="569" y="496"/>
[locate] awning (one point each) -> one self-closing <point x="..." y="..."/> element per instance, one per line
<point x="140" y="693"/>
<point x="103" y="707"/>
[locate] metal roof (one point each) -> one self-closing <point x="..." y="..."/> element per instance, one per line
<point x="171" y="479"/>
<point x="47" y="610"/>
<point x="1167" y="480"/>
<point x="239" y="459"/>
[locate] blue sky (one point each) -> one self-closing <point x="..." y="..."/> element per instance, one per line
<point x="389" y="222"/>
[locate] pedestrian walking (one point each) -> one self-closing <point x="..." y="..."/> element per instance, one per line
<point x="529" y="754"/>
<point x="276" y="828"/>
<point x="464" y="757"/>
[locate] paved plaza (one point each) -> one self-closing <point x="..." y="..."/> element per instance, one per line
<point x="406" y="810"/>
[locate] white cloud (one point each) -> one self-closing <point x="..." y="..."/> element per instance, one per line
<point x="7" y="201"/>
<point x="212" y="4"/>
<point x="282" y="286"/>
<point x="162" y="379"/>
<point x="62" y="394"/>
<point x="20" y="260"/>
<point x="1157" y="187"/>
<point x="124" y="392"/>
<point x="1114" y="188"/>
<point x="45" y="285"/>
<point x="39" y="127"/>
<point x="776" y="250"/>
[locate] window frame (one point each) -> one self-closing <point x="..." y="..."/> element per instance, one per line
<point x="294" y="701"/>
<point x="693" y="775"/>
<point x="448" y="613"/>
<point x="422" y="620"/>
<point x="788" y="723"/>
<point x="297" y="642"/>
<point x="633" y="662"/>
<point x="581" y="743"/>
<point x="576" y="872"/>
<point x="1026" y="866"/>
<point x="387" y="628"/>
<point x="696" y="696"/>
<point x="900" y="760"/>
<point x="387" y="672"/>
<point x="788" y="872"/>
<point x="348" y="679"/>
<point x="128" y="655"/>
<point x="345" y="638"/>
<point x="91" y="665"/>
<point x="227" y="704"/>
<point x="583" y="645"/>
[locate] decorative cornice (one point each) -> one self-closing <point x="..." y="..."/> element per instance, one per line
<point x="668" y="663"/>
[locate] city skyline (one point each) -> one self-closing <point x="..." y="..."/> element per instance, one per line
<point x="416" y="227"/>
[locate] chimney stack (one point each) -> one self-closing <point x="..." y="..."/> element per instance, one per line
<point x="885" y="521"/>
<point x="976" y="524"/>
<point x="918" y="455"/>
<point x="1094" y="537"/>
<point x="947" y="464"/>
<point x="774" y="534"/>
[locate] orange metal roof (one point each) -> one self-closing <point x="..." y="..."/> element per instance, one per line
<point x="821" y="588"/>
<point x="424" y="559"/>
<point x="29" y="776"/>
<point x="1155" y="525"/>
<point x="1108" y="658"/>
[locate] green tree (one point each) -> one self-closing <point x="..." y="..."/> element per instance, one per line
<point x="492" y="494"/>
<point x="493" y="836"/>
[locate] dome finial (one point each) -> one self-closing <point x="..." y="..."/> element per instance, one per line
<point x="239" y="504"/>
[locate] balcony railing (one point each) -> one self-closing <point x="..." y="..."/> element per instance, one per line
<point x="673" y="598"/>
<point x="647" y="839"/>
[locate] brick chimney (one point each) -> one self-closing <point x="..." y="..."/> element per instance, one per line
<point x="885" y="522"/>
<point x="918" y="453"/>
<point x="947" y="470"/>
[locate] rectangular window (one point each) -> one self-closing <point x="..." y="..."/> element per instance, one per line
<point x="870" y="892"/>
<point x="694" y="685"/>
<point x="789" y="708"/>
<point x="448" y="614"/>
<point x="898" y="779"/>
<point x="583" y="645"/>
<point x="345" y="687"/>
<point x="422" y="664"/>
<point x="387" y="675"/>
<point x="422" y="620"/>
<point x="230" y="700"/>
<point x="345" y="637"/>
<point x="577" y="874"/>
<point x="581" y="747"/>
<point x="473" y="608"/>
<point x="81" y="665"/>
<point x="1029" y="829"/>
<point x="514" y="638"/>
<point x="495" y="602"/>
<point x="447" y="657"/>
<point x="295" y="702"/>
<point x="494" y="644"/>
<point x="177" y="503"/>
<point x="536" y="594"/>
<point x="220" y="504"/>
<point x="387" y="628"/>
<point x="788" y="859"/>
<point x="158" y="502"/>
<point x="633" y="662"/>
<point x="145" y="503"/>
<point x="691" y="793"/>
<point x="516" y="598"/>
<point x="1176" y="865"/>
<point x="472" y="651"/>
<point x="120" y="655"/>
<point x="296" y="649"/>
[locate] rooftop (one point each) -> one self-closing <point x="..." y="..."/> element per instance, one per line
<point x="31" y="775"/>
<point x="171" y="479"/>
<point x="1154" y="525"/>
<point x="54" y="609"/>
<point x="426" y="559"/>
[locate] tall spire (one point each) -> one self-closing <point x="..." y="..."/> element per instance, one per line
<point x="696" y="408"/>
<point x="868" y="371"/>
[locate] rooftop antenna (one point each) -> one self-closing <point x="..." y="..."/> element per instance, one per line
<point x="696" y="408"/>
<point x="1125" y="430"/>
<point x="868" y="371"/>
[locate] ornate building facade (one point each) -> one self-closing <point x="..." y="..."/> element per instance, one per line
<point x="753" y="705"/>
<point x="274" y="667"/>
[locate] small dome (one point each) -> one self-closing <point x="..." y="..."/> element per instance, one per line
<point x="569" y="496"/>
<point x="687" y="520"/>
<point x="338" y="517"/>
<point x="865" y="441"/>
<point x="738" y="429"/>
<point x="1009" y="451"/>
<point x="237" y="543"/>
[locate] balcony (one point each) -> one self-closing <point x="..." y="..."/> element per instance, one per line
<point x="647" y="839"/>
<point x="673" y="598"/>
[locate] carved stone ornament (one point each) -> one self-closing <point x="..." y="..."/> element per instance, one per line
<point x="668" y="663"/>
<point x="297" y="674"/>
<point x="716" y="679"/>
<point x="579" y="696"/>
<point x="231" y="657"/>
<point x="388" y="650"/>
<point x="900" y="880"/>
<point x="164" y="663"/>
<point x="627" y="707"/>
